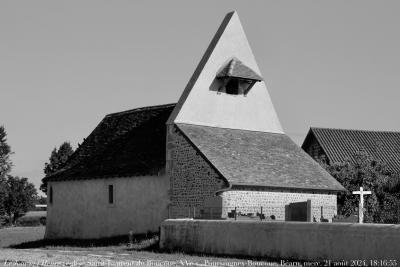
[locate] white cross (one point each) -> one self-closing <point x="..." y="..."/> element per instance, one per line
<point x="361" y="204"/>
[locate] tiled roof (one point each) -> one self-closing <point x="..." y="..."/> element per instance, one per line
<point x="342" y="144"/>
<point x="128" y="143"/>
<point x="235" y="68"/>
<point x="259" y="158"/>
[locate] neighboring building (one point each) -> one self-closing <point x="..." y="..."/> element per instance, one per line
<point x="338" y="145"/>
<point x="40" y="206"/>
<point x="220" y="147"/>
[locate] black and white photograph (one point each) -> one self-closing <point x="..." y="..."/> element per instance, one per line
<point x="199" y="133"/>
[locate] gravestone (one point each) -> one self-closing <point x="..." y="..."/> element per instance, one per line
<point x="212" y="208"/>
<point x="298" y="211"/>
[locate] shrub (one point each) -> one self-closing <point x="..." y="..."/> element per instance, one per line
<point x="4" y="221"/>
<point x="30" y="221"/>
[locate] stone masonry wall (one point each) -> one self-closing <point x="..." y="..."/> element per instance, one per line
<point x="274" y="202"/>
<point x="192" y="178"/>
<point x="314" y="149"/>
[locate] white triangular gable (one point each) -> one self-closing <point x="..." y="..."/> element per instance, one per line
<point x="201" y="104"/>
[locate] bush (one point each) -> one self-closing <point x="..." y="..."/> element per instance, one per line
<point x="31" y="221"/>
<point x="4" y="221"/>
<point x="345" y="219"/>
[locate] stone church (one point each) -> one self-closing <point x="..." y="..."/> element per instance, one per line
<point x="220" y="148"/>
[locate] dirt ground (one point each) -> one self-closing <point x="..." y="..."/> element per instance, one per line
<point x="114" y="255"/>
<point x="69" y="257"/>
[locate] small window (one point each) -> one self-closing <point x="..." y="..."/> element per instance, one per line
<point x="110" y="194"/>
<point x="51" y="195"/>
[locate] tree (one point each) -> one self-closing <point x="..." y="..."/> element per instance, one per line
<point x="383" y="204"/>
<point x="20" y="197"/>
<point x="5" y="153"/>
<point x="57" y="160"/>
<point x="2" y="196"/>
<point x="5" y="166"/>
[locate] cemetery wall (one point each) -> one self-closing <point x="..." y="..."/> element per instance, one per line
<point x="344" y="242"/>
<point x="274" y="201"/>
<point x="192" y="178"/>
<point x="80" y="208"/>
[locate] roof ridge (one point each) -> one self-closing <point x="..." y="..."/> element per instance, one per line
<point x="354" y="130"/>
<point x="235" y="129"/>
<point x="232" y="64"/>
<point x="146" y="108"/>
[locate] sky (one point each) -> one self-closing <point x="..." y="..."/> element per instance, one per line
<point x="64" y="65"/>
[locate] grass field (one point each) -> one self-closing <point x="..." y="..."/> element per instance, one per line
<point x="29" y="249"/>
<point x="17" y="235"/>
<point x="39" y="213"/>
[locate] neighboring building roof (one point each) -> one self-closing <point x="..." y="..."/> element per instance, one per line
<point x="235" y="68"/>
<point x="342" y="144"/>
<point x="128" y="143"/>
<point x="259" y="158"/>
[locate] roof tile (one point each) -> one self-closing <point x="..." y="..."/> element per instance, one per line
<point x="259" y="158"/>
<point x="342" y="144"/>
<point x="235" y="68"/>
<point x="128" y="143"/>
